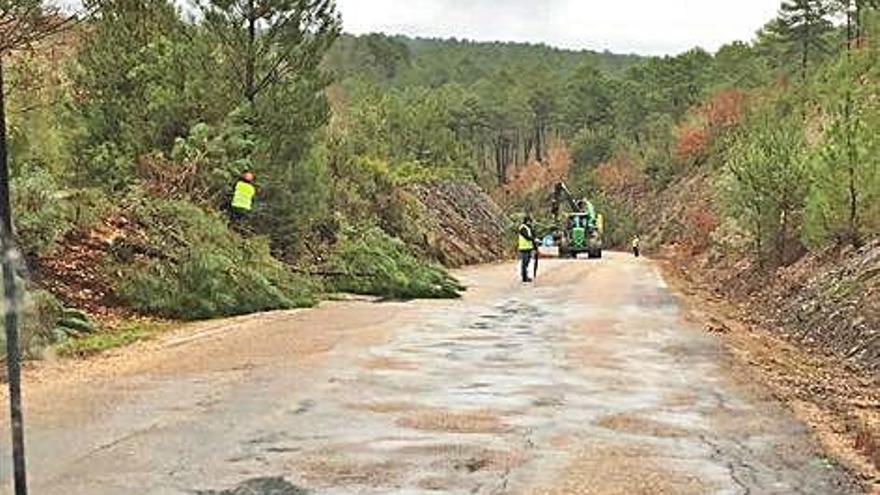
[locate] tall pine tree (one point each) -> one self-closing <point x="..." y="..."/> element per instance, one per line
<point x="268" y="41"/>
<point x="803" y="26"/>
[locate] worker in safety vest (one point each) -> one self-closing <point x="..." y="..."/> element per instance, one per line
<point x="526" y="244"/>
<point x="636" y="243"/>
<point x="242" y="203"/>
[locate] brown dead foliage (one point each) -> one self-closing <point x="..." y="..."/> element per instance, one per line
<point x="622" y="179"/>
<point x="74" y="272"/>
<point x="169" y="178"/>
<point x="692" y="146"/>
<point x="536" y="176"/>
<point x="724" y="110"/>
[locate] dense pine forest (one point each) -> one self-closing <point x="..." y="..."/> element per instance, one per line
<point x="128" y="130"/>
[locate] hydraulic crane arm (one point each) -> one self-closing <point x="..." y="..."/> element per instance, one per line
<point x="560" y="194"/>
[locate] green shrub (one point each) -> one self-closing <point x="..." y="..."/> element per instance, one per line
<point x="109" y="166"/>
<point x="99" y="342"/>
<point x="45" y="212"/>
<point x="42" y="216"/>
<point x="374" y="263"/>
<point x="207" y="270"/>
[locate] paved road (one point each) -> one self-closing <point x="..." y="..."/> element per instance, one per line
<point x="590" y="382"/>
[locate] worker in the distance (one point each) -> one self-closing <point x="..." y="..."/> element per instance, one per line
<point x="242" y="203"/>
<point x="636" y="243"/>
<point x="526" y="245"/>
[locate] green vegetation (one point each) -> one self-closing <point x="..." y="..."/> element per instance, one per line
<point x="766" y="198"/>
<point x="371" y="262"/>
<point x="106" y="340"/>
<point x="784" y="126"/>
<point x="204" y="270"/>
<point x="479" y="109"/>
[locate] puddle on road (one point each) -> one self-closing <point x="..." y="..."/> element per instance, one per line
<point x="261" y="486"/>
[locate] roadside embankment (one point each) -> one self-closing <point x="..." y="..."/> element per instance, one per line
<point x="459" y="223"/>
<point x="809" y="331"/>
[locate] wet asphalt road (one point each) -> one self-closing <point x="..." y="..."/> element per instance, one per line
<point x="590" y="382"/>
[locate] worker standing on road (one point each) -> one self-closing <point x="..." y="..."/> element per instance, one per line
<point x="636" y="242"/>
<point x="526" y="245"/>
<point x="242" y="203"/>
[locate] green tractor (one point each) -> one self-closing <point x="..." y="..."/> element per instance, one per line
<point x="582" y="230"/>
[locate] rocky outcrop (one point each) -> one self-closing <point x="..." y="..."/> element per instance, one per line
<point x="456" y="223"/>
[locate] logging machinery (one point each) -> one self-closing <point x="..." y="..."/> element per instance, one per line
<point x="581" y="229"/>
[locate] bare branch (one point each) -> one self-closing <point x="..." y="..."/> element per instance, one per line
<point x="26" y="22"/>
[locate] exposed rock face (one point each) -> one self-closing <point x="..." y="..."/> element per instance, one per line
<point x="459" y="223"/>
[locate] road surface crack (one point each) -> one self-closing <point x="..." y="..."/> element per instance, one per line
<point x="719" y="455"/>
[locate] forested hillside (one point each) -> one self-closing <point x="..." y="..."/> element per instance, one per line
<point x="128" y="131"/>
<point x="768" y="188"/>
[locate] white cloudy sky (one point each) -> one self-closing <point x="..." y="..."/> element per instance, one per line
<point x="639" y="26"/>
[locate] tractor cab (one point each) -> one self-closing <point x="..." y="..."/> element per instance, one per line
<point x="582" y="234"/>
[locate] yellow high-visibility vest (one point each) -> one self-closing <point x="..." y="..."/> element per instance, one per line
<point x="243" y="198"/>
<point x="525" y="244"/>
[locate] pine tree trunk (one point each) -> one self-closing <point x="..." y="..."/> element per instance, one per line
<point x="5" y="202"/>
<point x="251" y="63"/>
<point x="859" y="26"/>
<point x="782" y="237"/>
<point x="852" y="157"/>
<point x="539" y="149"/>
<point x="499" y="162"/>
<point x="805" y="60"/>
<point x="849" y="28"/>
<point x="759" y="237"/>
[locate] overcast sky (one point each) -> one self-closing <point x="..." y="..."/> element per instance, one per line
<point x="654" y="27"/>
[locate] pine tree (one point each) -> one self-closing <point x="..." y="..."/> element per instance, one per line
<point x="135" y="67"/>
<point x="855" y="19"/>
<point x="768" y="183"/>
<point x="846" y="167"/>
<point x="22" y="23"/>
<point x="803" y="26"/>
<point x="268" y="41"/>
